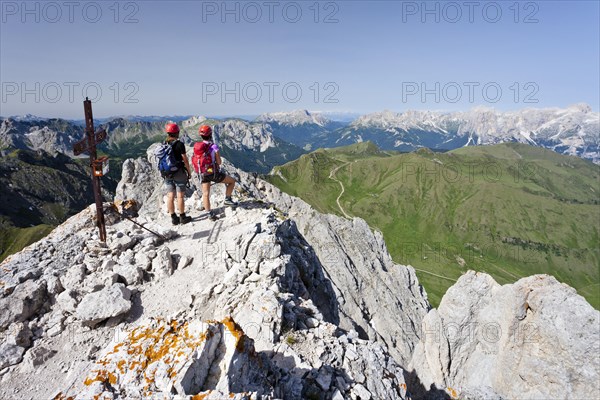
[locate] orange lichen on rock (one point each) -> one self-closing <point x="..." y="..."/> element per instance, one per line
<point x="102" y="362"/>
<point x="97" y="397"/>
<point x="160" y="349"/>
<point x="61" y="396"/>
<point x="116" y="348"/>
<point x="452" y="393"/>
<point x="171" y="372"/>
<point x="201" y="396"/>
<point x="120" y="366"/>
<point x="158" y="346"/>
<point x="236" y="331"/>
<point x="101" y="376"/>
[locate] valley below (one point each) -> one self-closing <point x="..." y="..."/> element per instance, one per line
<point x="510" y="210"/>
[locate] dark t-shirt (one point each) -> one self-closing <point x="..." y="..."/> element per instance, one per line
<point x="178" y="150"/>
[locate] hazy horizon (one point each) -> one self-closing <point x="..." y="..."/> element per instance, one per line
<point x="253" y="116"/>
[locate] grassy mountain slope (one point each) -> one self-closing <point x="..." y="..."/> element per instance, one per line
<point x="510" y="210"/>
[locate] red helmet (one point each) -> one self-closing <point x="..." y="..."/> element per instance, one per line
<point x="172" y="128"/>
<point x="205" y="130"/>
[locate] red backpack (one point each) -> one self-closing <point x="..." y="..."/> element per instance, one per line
<point x="202" y="160"/>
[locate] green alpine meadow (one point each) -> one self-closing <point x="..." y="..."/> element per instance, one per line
<point x="510" y="210"/>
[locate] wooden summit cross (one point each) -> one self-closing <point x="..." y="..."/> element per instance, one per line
<point x="99" y="166"/>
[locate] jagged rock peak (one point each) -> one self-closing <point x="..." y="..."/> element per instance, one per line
<point x="294" y="118"/>
<point x="242" y="135"/>
<point x="192" y="121"/>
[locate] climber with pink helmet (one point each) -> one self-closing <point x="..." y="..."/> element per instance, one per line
<point x="207" y="163"/>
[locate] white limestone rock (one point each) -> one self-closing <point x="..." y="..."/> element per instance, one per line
<point x="137" y="181"/>
<point x="10" y="354"/>
<point x="536" y="338"/>
<point x="25" y="300"/>
<point x="132" y="274"/>
<point x="162" y="264"/>
<point x="74" y="277"/>
<point x="67" y="301"/>
<point x="99" y="306"/>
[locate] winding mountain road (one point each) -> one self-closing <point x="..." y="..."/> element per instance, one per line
<point x="436" y="275"/>
<point x="332" y="176"/>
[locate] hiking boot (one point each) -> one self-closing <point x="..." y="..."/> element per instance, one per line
<point x="184" y="219"/>
<point x="174" y="219"/>
<point x="212" y="215"/>
<point x="229" y="201"/>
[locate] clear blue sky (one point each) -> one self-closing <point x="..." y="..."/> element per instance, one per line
<point x="175" y="57"/>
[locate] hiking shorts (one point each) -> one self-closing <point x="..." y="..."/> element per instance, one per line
<point x="217" y="178"/>
<point x="177" y="182"/>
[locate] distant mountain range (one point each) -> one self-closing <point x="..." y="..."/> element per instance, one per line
<point x="573" y="131"/>
<point x="281" y="136"/>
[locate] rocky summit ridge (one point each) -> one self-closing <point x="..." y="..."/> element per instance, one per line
<point x="273" y="300"/>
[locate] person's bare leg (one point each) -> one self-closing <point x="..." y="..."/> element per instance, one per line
<point x="206" y="196"/>
<point x="230" y="182"/>
<point x="170" y="203"/>
<point x="181" y="202"/>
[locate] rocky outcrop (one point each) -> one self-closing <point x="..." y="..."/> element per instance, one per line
<point x="111" y="301"/>
<point x="378" y="298"/>
<point x="218" y="360"/>
<point x="253" y="267"/>
<point x="138" y="181"/>
<point x="532" y="339"/>
<point x="161" y="357"/>
<point x="24" y="301"/>
<point x="270" y="278"/>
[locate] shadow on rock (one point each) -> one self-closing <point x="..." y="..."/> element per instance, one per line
<point x="137" y="309"/>
<point x="305" y="267"/>
<point x="417" y="391"/>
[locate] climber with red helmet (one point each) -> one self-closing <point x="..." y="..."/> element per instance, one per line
<point x="176" y="181"/>
<point x="207" y="162"/>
